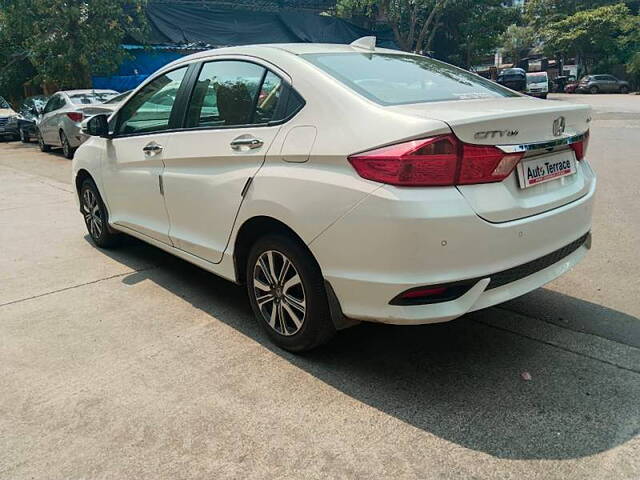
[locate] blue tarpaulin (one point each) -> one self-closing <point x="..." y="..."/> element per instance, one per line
<point x="133" y="71"/>
<point x="178" y="30"/>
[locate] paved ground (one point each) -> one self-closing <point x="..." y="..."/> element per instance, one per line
<point x="132" y="364"/>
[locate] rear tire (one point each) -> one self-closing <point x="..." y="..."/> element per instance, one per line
<point x="43" y="146"/>
<point x="67" y="150"/>
<point x="287" y="294"/>
<point x="593" y="90"/>
<point x="96" y="217"/>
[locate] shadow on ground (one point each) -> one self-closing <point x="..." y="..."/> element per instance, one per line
<point x="459" y="380"/>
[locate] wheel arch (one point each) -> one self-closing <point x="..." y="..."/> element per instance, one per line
<point x="254" y="228"/>
<point x="258" y="226"/>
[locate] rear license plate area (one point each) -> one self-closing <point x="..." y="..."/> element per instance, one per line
<point x="545" y="168"/>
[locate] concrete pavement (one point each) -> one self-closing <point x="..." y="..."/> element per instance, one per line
<point x="133" y="364"/>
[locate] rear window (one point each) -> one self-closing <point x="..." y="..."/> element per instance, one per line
<point x="395" y="79"/>
<point x="90" y="98"/>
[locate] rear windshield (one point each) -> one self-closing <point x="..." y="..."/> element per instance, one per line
<point x="391" y="79"/>
<point x="89" y="98"/>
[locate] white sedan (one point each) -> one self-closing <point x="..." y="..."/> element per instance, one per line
<point x="343" y="183"/>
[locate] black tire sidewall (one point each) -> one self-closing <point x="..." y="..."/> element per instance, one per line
<point x="594" y="90"/>
<point x="317" y="327"/>
<point x="43" y="146"/>
<point x="67" y="151"/>
<point x="106" y="239"/>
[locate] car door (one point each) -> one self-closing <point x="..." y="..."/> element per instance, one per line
<point x="133" y="163"/>
<point x="47" y="121"/>
<point x="609" y="83"/>
<point x="230" y="122"/>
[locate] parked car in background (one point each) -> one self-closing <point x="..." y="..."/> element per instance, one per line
<point x="602" y="84"/>
<point x="513" y="78"/>
<point x="28" y="114"/>
<point x="343" y="183"/>
<point x="571" y="87"/>
<point x="59" y="124"/>
<point x="537" y="84"/>
<point x="559" y="83"/>
<point x="7" y="114"/>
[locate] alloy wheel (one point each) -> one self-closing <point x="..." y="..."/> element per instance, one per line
<point x="92" y="214"/>
<point x="66" y="148"/>
<point x="279" y="293"/>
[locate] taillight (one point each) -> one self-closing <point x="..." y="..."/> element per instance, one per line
<point x="75" y="116"/>
<point x="436" y="161"/>
<point x="580" y="148"/>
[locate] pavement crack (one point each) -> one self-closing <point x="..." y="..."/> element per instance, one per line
<point x="64" y="289"/>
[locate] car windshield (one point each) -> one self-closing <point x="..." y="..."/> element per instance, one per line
<point x="4" y="103"/>
<point x="91" y="97"/>
<point x="394" y="79"/>
<point x="537" y="79"/>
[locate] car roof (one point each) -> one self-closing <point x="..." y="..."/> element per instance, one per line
<point x="275" y="48"/>
<point x="87" y="91"/>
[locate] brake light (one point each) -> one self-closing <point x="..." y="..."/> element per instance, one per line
<point x="75" y="116"/>
<point x="580" y="148"/>
<point x="437" y="161"/>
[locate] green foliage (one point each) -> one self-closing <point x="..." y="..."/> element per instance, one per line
<point x="68" y="41"/>
<point x="517" y="39"/>
<point x="602" y="36"/>
<point x="464" y="29"/>
<point x="414" y="22"/>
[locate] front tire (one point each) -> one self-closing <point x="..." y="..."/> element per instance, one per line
<point x="287" y="294"/>
<point x="593" y="90"/>
<point x="96" y="217"/>
<point x="67" y="150"/>
<point x="624" y="90"/>
<point x="43" y="146"/>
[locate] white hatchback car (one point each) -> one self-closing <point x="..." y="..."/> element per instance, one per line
<point x="343" y="183"/>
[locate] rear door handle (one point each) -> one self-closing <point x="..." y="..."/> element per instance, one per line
<point x="152" y="148"/>
<point x="246" y="141"/>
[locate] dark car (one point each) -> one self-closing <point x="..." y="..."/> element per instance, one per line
<point x="7" y="115"/>
<point x="513" y="78"/>
<point x="602" y="84"/>
<point x="28" y="113"/>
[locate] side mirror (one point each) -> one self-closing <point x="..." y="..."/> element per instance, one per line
<point x="97" y="126"/>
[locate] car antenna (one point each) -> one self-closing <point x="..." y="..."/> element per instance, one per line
<point x="366" y="43"/>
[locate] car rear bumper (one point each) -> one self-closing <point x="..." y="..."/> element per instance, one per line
<point x="390" y="243"/>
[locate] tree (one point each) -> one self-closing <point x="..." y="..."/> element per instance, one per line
<point x="597" y="35"/>
<point x="414" y="22"/>
<point x="515" y="39"/>
<point x="68" y="41"/>
<point x="471" y="30"/>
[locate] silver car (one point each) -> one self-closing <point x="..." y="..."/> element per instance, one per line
<point x="59" y="123"/>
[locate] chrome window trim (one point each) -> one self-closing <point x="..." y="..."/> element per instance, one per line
<point x="527" y="147"/>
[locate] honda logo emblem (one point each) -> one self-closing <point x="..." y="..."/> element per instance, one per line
<point x="558" y="126"/>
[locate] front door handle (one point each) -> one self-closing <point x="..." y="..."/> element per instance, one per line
<point x="152" y="148"/>
<point x="246" y="141"/>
